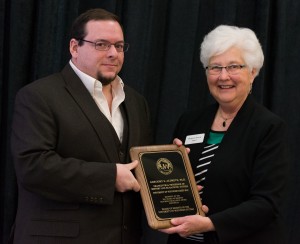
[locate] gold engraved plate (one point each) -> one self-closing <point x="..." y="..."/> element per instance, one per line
<point x="168" y="187"/>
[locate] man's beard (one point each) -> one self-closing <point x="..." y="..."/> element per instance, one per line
<point x="105" y="80"/>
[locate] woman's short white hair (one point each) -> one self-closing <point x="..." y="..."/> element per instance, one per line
<point x="225" y="37"/>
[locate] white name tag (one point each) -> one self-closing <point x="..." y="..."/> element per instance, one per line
<point x="193" y="139"/>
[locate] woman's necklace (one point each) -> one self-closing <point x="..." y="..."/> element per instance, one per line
<point x="225" y="119"/>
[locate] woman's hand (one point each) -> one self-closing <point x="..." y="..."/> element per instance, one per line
<point x="178" y="142"/>
<point x="204" y="208"/>
<point x="189" y="225"/>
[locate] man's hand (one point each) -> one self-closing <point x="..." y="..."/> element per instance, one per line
<point x="125" y="180"/>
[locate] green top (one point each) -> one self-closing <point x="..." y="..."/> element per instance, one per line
<point x="215" y="137"/>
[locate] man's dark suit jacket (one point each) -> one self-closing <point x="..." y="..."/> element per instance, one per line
<point x="246" y="182"/>
<point x="65" y="150"/>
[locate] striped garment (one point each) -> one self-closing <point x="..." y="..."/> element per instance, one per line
<point x="205" y="160"/>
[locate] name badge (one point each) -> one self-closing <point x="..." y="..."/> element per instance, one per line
<point x="193" y="139"/>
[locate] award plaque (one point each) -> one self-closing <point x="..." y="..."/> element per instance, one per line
<point x="168" y="187"/>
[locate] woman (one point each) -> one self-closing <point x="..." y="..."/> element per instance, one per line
<point x="237" y="149"/>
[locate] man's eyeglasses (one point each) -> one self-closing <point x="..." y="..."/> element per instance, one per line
<point x="232" y="69"/>
<point x="104" y="46"/>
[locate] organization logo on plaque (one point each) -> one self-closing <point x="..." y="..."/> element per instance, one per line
<point x="164" y="166"/>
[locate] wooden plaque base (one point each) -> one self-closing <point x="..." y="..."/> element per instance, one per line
<point x="168" y="187"/>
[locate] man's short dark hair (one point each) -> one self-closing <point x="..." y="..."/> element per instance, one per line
<point x="78" y="30"/>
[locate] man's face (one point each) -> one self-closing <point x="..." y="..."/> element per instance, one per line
<point x="102" y="65"/>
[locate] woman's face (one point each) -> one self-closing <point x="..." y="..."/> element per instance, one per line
<point x="226" y="88"/>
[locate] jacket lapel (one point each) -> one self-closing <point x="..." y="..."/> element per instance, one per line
<point x="88" y="106"/>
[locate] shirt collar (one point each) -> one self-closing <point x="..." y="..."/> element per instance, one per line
<point x="90" y="82"/>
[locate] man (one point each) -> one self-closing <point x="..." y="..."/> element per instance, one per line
<point x="71" y="136"/>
